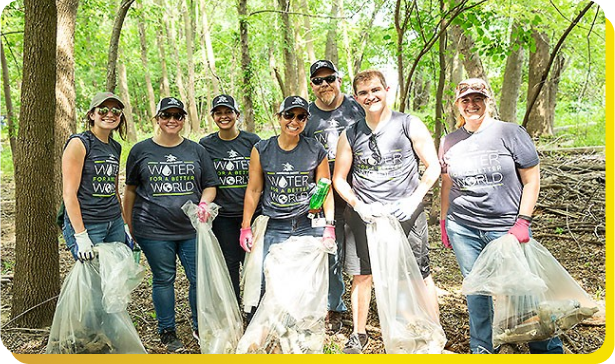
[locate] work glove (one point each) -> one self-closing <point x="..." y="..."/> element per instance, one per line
<point x="521" y="230"/>
<point x="328" y="237"/>
<point x="84" y="246"/>
<point x="246" y="239"/>
<point x="203" y="211"/>
<point x="368" y="212"/>
<point x="128" y="240"/>
<point x="444" y="235"/>
<point x="403" y="208"/>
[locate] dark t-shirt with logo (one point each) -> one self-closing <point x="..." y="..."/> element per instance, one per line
<point x="392" y="173"/>
<point x="97" y="195"/>
<point x="231" y="160"/>
<point x="167" y="177"/>
<point x="486" y="190"/>
<point x="290" y="176"/>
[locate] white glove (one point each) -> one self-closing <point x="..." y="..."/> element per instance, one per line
<point x="84" y="246"/>
<point x="404" y="208"/>
<point x="368" y="212"/>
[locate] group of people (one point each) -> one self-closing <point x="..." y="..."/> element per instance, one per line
<point x="372" y="154"/>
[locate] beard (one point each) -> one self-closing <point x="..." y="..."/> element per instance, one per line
<point x="327" y="96"/>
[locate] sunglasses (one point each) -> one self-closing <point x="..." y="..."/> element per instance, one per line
<point x="463" y="87"/>
<point x="329" y="79"/>
<point x="374" y="148"/>
<point x="168" y="115"/>
<point x="105" y="110"/>
<point x="290" y="115"/>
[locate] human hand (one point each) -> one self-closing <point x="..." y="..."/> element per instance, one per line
<point x="368" y="212"/>
<point x="404" y="208"/>
<point x="203" y="211"/>
<point x="84" y="246"/>
<point x="129" y="241"/>
<point x="521" y="230"/>
<point x="444" y="235"/>
<point x="328" y="236"/>
<point x="246" y="239"/>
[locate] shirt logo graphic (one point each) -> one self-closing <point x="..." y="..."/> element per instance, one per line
<point x="288" y="167"/>
<point x="170" y="158"/>
<point x="232" y="154"/>
<point x="333" y="123"/>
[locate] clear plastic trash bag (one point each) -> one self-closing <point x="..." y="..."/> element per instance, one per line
<point x="541" y="315"/>
<point x="251" y="279"/>
<point x="219" y="319"/>
<point x="88" y="318"/>
<point x="408" y="320"/>
<point x="291" y="316"/>
<point x="501" y="269"/>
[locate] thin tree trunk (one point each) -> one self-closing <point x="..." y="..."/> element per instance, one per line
<point x="151" y="98"/>
<point x="302" y="85"/>
<point x="331" y="50"/>
<point x="538" y="123"/>
<point x="193" y="115"/>
<point x="165" y="89"/>
<point x="246" y="66"/>
<point x="290" y="61"/>
<point x="553" y="85"/>
<point x="114" y="43"/>
<point x="307" y="28"/>
<point x="172" y="43"/>
<point x="208" y="50"/>
<point x="455" y="75"/>
<point x="36" y="277"/>
<point x="360" y="51"/>
<point x="512" y="79"/>
<point x="8" y="101"/>
<point x="131" y="131"/>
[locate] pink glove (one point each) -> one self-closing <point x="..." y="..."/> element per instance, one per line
<point x="328" y="236"/>
<point x="444" y="235"/>
<point x="245" y="239"/>
<point x="203" y="212"/>
<point x="521" y="230"/>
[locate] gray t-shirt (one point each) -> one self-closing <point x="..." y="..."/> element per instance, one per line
<point x="167" y="177"/>
<point x="97" y="196"/>
<point x="326" y="126"/>
<point x="231" y="160"/>
<point x="486" y="190"/>
<point x="290" y="176"/>
<point x="392" y="174"/>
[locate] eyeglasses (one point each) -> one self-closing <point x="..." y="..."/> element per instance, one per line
<point x="463" y="87"/>
<point x="377" y="157"/>
<point x="318" y="80"/>
<point x="105" y="110"/>
<point x="168" y="115"/>
<point x="290" y="115"/>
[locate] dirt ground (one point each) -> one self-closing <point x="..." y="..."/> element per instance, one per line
<point x="569" y="221"/>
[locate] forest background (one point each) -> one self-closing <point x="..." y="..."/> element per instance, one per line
<point x="544" y="60"/>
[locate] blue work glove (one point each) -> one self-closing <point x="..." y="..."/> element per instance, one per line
<point x="129" y="241"/>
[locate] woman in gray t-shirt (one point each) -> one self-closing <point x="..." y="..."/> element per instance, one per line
<point x="490" y="185"/>
<point x="284" y="170"/>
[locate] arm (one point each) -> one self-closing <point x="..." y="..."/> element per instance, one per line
<point x="254" y="189"/>
<point x="343" y="162"/>
<point x="208" y="195"/>
<point x="530" y="178"/>
<point x="423" y="146"/>
<point x="72" y="167"/>
<point x="130" y="194"/>
<point x="322" y="171"/>
<point x="445" y="190"/>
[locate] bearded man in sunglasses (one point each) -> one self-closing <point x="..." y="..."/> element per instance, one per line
<point x="330" y="114"/>
<point x="382" y="152"/>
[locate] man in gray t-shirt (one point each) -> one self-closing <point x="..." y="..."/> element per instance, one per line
<point x="330" y="114"/>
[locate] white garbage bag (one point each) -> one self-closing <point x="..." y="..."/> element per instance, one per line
<point x="251" y="279"/>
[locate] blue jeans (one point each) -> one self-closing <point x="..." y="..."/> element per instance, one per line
<point x="336" y="262"/>
<point x="468" y="243"/>
<point x="161" y="255"/>
<point x="106" y="232"/>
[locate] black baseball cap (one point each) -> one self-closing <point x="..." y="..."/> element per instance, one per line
<point x="224" y="100"/>
<point x="169" y="103"/>
<point x="320" y="64"/>
<point x="292" y="102"/>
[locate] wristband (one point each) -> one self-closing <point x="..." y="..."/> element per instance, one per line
<point x="330" y="222"/>
<point x="525" y="217"/>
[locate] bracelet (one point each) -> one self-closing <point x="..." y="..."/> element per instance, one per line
<point x="330" y="222"/>
<point x="525" y="217"/>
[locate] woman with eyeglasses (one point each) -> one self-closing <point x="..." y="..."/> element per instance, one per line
<point x="230" y="150"/>
<point x="490" y="185"/>
<point x="284" y="170"/>
<point x="90" y="167"/>
<point x="163" y="173"/>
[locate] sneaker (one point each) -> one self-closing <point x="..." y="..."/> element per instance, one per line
<point x="334" y="322"/>
<point x="195" y="335"/>
<point x="356" y="344"/>
<point x="169" y="338"/>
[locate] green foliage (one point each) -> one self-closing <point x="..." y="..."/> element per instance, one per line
<point x="332" y="348"/>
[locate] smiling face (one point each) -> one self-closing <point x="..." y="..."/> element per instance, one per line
<point x="109" y="120"/>
<point x="472" y="107"/>
<point x="326" y="92"/>
<point x="371" y="94"/>
<point x="292" y="122"/>
<point x="224" y="117"/>
<point x="169" y="122"/>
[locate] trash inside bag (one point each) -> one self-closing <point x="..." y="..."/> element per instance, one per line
<point x="219" y="318"/>
<point x="251" y="279"/>
<point x="91" y="317"/>
<point x="408" y="319"/>
<point x="291" y="316"/>
<point x="521" y="315"/>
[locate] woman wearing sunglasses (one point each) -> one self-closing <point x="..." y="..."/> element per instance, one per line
<point x="90" y="166"/>
<point x="490" y="185"/>
<point x="284" y="170"/>
<point x="230" y="150"/>
<point x="163" y="173"/>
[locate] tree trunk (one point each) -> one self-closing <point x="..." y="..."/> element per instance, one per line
<point x="360" y="51"/>
<point x="193" y="115"/>
<point x="512" y="79"/>
<point x="290" y="61"/>
<point x="302" y="85"/>
<point x="165" y="89"/>
<point x="151" y="98"/>
<point x="307" y="30"/>
<point x="131" y="131"/>
<point x="538" y="121"/>
<point x="36" y="276"/>
<point x="172" y="43"/>
<point x="331" y="51"/>
<point x="114" y="43"/>
<point x="553" y="86"/>
<point x="421" y="91"/>
<point x="246" y="66"/>
<point x="210" y="63"/>
<point x="6" y="85"/>
<point x="455" y="75"/>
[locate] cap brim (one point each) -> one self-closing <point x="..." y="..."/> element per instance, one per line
<point x="224" y="104"/>
<point x="471" y="91"/>
<point x="172" y="107"/>
<point x="318" y="69"/>
<point x="109" y="98"/>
